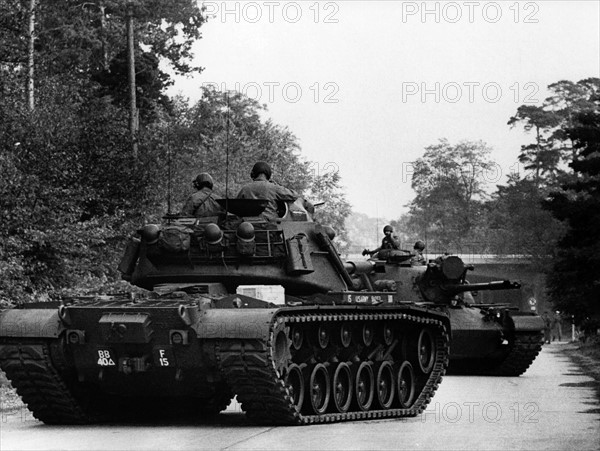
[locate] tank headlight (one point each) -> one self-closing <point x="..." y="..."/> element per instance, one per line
<point x="176" y="338"/>
<point x="76" y="337"/>
<point x="150" y="233"/>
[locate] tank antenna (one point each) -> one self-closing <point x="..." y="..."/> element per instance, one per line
<point x="169" y="187"/>
<point x="376" y="221"/>
<point x="227" y="155"/>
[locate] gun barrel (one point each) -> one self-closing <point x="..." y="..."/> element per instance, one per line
<point x="485" y="286"/>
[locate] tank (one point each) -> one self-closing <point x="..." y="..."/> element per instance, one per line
<point x="233" y="305"/>
<point x="495" y="339"/>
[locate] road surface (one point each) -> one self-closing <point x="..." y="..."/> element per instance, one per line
<point x="552" y="406"/>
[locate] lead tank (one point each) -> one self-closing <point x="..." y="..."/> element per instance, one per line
<point x="236" y="306"/>
<point x="487" y="339"/>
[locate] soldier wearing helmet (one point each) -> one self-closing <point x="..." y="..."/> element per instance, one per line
<point x="389" y="241"/>
<point x="261" y="187"/>
<point x="202" y="203"/>
<point x="418" y="259"/>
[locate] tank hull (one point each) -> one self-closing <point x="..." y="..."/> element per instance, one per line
<point x="493" y="341"/>
<point x="118" y="360"/>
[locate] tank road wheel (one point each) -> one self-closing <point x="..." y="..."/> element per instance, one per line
<point x="406" y="385"/>
<point x="342" y="387"/>
<point x="297" y="337"/>
<point x="367" y="334"/>
<point x="281" y="350"/>
<point x="387" y="333"/>
<point x="319" y="389"/>
<point x="386" y="385"/>
<point x="345" y="335"/>
<point x="294" y="379"/>
<point x="323" y="336"/>
<point x="364" y="386"/>
<point x="426" y="351"/>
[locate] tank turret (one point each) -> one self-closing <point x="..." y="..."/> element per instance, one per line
<point x="445" y="278"/>
<point x="265" y="310"/>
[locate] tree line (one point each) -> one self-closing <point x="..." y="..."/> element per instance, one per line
<point x="71" y="189"/>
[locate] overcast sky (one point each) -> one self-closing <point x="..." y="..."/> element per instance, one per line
<point x="366" y="86"/>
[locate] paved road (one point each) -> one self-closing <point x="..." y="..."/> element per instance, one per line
<point x="551" y="407"/>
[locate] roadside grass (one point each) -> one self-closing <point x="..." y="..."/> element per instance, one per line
<point x="587" y="357"/>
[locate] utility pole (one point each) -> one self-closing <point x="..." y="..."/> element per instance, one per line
<point x="133" y="123"/>
<point x="30" y="57"/>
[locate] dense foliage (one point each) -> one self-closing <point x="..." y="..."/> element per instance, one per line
<point x="574" y="280"/>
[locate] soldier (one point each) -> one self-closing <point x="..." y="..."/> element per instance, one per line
<point x="389" y="241"/>
<point x="418" y="259"/>
<point x="556" y="327"/>
<point x="547" y="327"/>
<point x="202" y="203"/>
<point x="261" y="187"/>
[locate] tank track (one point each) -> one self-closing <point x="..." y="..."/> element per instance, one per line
<point x="252" y="371"/>
<point x="524" y="348"/>
<point x="31" y="367"/>
<point x="28" y="365"/>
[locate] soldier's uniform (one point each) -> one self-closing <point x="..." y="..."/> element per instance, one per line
<point x="262" y="188"/>
<point x="201" y="204"/>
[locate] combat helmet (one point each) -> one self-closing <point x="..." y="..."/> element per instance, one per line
<point x="202" y="180"/>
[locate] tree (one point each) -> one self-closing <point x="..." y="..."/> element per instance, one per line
<point x="449" y="182"/>
<point x="516" y="214"/>
<point x="567" y="99"/>
<point x="550" y="121"/>
<point x="517" y="222"/>
<point x="574" y="281"/>
<point x="541" y="157"/>
<point x="224" y="134"/>
<point x="326" y="188"/>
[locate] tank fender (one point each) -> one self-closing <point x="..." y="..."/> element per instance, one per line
<point x="32" y="323"/>
<point x="230" y="323"/>
<point x="527" y="323"/>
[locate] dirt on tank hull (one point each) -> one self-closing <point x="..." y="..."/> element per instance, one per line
<point x="316" y="349"/>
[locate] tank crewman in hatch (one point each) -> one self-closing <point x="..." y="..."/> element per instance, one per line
<point x="389" y="241"/>
<point x="418" y="259"/>
<point x="201" y="203"/>
<point x="261" y="187"/>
